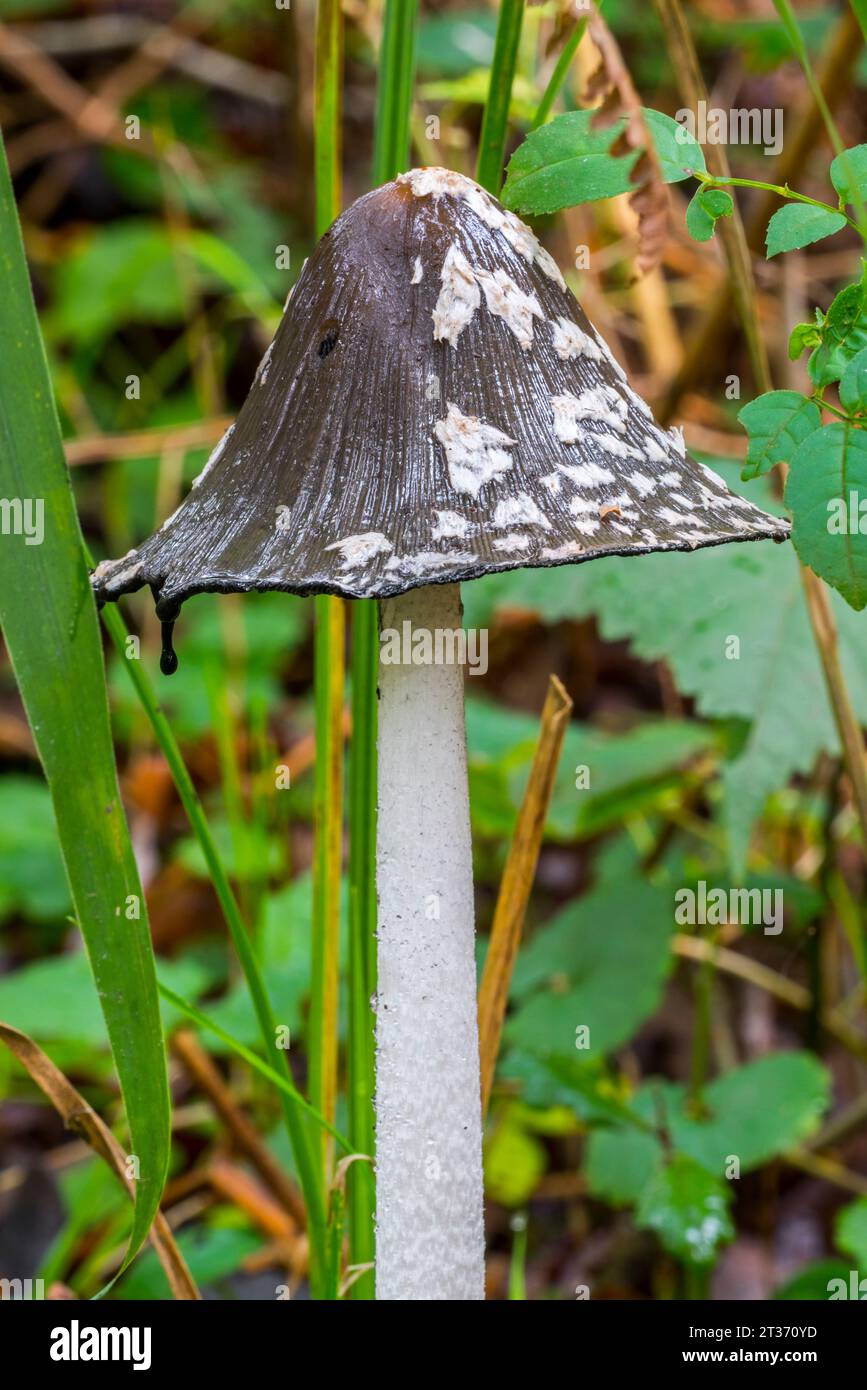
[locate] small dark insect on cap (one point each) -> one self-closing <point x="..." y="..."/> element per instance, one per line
<point x="435" y="406"/>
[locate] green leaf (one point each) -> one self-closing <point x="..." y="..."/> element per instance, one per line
<point x="850" y="1229"/>
<point x="32" y="878"/>
<point x="514" y="1162"/>
<point x="813" y="1284"/>
<point x="825" y="488"/>
<point x="707" y="206"/>
<point x="799" y="224"/>
<point x="49" y="624"/>
<point x="805" y="335"/>
<point x="843" y="334"/>
<point x="754" y="1113"/>
<point x="568" y="161"/>
<point x="688" y="1208"/>
<point x="776" y="423"/>
<point x="853" y="384"/>
<point x="683" y="609"/>
<point x="576" y="973"/>
<point x="849" y="173"/>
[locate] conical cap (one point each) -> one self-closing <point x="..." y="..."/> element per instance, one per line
<point x="435" y="406"/>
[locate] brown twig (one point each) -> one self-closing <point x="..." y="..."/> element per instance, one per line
<point x="205" y="1074"/>
<point x="102" y="448"/>
<point x="77" y="1115"/>
<point x="517" y="881"/>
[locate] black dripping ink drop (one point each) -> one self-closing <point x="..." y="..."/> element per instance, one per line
<point x="168" y="655"/>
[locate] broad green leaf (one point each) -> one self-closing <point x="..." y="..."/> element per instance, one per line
<point x="754" y="1113"/>
<point x="49" y="624"/>
<point x="576" y="973"/>
<point x="776" y="423"/>
<point x="849" y="173"/>
<point x="843" y="332"/>
<point x="568" y="161"/>
<point x="684" y="609"/>
<point x="688" y="1208"/>
<point x="211" y="1254"/>
<point x="32" y="877"/>
<point x="799" y="224"/>
<point x="816" y="1282"/>
<point x="850" y="1231"/>
<point x="853" y="384"/>
<point x="707" y="207"/>
<point x="601" y="779"/>
<point x="826" y="486"/>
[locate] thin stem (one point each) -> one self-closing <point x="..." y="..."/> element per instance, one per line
<point x="492" y="142"/>
<point x="781" y="189"/>
<point x="558" y="76"/>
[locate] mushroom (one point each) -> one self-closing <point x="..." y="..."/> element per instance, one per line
<point x="435" y="406"/>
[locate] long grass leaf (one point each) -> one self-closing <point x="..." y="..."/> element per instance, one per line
<point x="49" y="623"/>
<point x="492" y="141"/>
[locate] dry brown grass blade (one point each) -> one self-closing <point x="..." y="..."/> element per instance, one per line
<point x="650" y="198"/>
<point x="517" y="882"/>
<point x="77" y="1115"/>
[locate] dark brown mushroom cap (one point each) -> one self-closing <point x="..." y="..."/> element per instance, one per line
<point x="435" y="406"/>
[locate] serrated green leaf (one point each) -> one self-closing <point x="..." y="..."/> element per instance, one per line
<point x="805" y="335"/>
<point x="754" y="1112"/>
<point x="849" y="173"/>
<point x="688" y="1208"/>
<point x="776" y="423"/>
<point x="568" y="161"/>
<point x="576" y="973"/>
<point x="843" y="334"/>
<point x="799" y="224"/>
<point x="705" y="209"/>
<point x="50" y="627"/>
<point x="683" y="609"/>
<point x="853" y="384"/>
<point x="826" y="487"/>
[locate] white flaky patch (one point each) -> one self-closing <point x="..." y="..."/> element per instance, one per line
<point x="587" y="474"/>
<point x="358" y="550"/>
<point x="587" y="525"/>
<point x="671" y="478"/>
<point x="654" y="450"/>
<point x="674" y="518"/>
<point x="552" y="482"/>
<point x="108" y="569"/>
<point x="435" y="182"/>
<point x="519" y="511"/>
<point x="429" y="562"/>
<point x="475" y="452"/>
<point x="450" y="526"/>
<point x="458" y="299"/>
<point x="677" y="439"/>
<point x="562" y="552"/>
<point x="620" y="448"/>
<point x="418" y="272"/>
<point x="643" y="484"/>
<point x="571" y="341"/>
<point x="213" y="458"/>
<point x="639" y="402"/>
<point x="514" y="541"/>
<point x="508" y="302"/>
<point x="581" y="505"/>
<point x="683" y="501"/>
<point x="284" y="514"/>
<point x="602" y="404"/>
<point x="264" y="365"/>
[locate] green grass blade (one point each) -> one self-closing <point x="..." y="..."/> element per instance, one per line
<point x="391" y="139"/>
<point x="394" y="99"/>
<point x="558" y="76"/>
<point x="492" y="142"/>
<point x="49" y="624"/>
<point x="296" y="1127"/>
<point x="246" y="1054"/>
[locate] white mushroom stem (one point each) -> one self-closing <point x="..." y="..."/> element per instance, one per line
<point x="429" y="1198"/>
